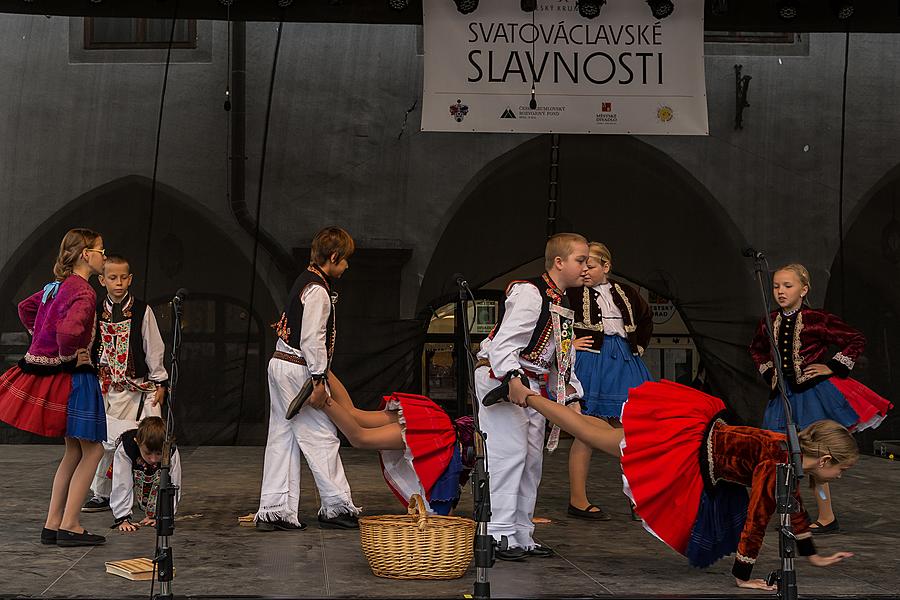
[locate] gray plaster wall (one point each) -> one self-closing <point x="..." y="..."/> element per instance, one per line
<point x="345" y="147"/>
<point x="342" y="148"/>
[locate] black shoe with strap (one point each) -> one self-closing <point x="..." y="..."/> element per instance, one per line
<point x="588" y="514"/>
<point x="820" y="529"/>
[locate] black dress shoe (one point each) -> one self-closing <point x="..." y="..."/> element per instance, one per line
<point x="516" y="554"/>
<point x="588" y="514"/>
<point x="343" y="521"/>
<point x="540" y="551"/>
<point x="279" y="525"/>
<point x="68" y="539"/>
<point x="48" y="537"/>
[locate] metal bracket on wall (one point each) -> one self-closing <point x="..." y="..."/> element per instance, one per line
<point x="741" y="85"/>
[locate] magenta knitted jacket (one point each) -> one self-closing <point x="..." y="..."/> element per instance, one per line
<point x="60" y="319"/>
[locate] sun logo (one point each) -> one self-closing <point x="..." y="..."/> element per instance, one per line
<point x="665" y="114"/>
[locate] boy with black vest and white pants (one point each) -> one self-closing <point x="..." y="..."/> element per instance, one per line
<point x="534" y="339"/>
<point x="129" y="351"/>
<point x="306" y="334"/>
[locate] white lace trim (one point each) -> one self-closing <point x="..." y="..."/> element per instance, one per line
<point x="845" y="360"/>
<point x="45" y="360"/>
<point x="628" y="328"/>
<point x="744" y="559"/>
<point x="799" y="376"/>
<point x="586" y="322"/>
<point x="709" y="451"/>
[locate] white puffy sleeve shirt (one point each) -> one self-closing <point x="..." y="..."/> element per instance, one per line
<point x="313" y="343"/>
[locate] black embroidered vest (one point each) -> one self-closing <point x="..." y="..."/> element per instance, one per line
<point x="288" y="328"/>
<point x="543" y="330"/>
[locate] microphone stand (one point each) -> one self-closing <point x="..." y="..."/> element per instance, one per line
<point x="788" y="475"/>
<point x="163" y="562"/>
<point x="485" y="545"/>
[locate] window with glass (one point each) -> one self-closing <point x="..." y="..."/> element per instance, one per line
<point x="127" y="33"/>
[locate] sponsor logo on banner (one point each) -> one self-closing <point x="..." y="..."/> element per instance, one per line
<point x="606" y="116"/>
<point x="540" y="113"/>
<point x="459" y="111"/>
<point x="665" y="114"/>
<point x="508" y="114"/>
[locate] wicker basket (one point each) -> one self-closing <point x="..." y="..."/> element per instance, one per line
<point x="417" y="545"/>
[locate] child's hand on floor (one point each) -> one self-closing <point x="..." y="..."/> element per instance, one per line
<point x="754" y="584"/>
<point x="826" y="561"/>
<point x="128" y="526"/>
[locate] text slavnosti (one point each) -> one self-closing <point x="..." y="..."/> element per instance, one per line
<point x="581" y="53"/>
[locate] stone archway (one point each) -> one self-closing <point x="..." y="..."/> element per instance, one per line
<point x="190" y="248"/>
<point x="665" y="229"/>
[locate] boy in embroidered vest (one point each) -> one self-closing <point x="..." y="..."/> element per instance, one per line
<point x="534" y="339"/>
<point x="306" y="334"/>
<point x="129" y="351"/>
<point x="136" y="473"/>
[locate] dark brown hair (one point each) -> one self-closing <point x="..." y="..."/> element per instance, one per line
<point x="151" y="434"/>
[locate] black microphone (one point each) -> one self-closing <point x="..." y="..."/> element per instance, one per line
<point x="180" y="295"/>
<point x="460" y="280"/>
<point x="751" y="252"/>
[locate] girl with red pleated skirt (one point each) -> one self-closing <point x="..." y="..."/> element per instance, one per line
<point x="818" y="383"/>
<point x="418" y="443"/>
<point x="687" y="471"/>
<point x="53" y="391"/>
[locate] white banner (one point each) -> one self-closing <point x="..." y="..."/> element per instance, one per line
<point x="622" y="72"/>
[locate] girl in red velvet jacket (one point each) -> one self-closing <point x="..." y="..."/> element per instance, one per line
<point x="54" y="390"/>
<point x="817" y="383"/>
<point x="687" y="471"/>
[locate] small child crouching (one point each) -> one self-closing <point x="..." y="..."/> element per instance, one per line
<point x="136" y="473"/>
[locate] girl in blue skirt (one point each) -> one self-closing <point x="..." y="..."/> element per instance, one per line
<point x="613" y="325"/>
